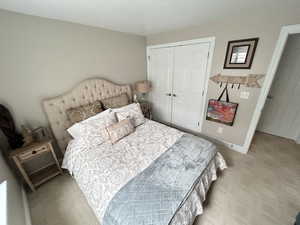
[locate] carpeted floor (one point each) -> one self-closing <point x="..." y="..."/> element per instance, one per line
<point x="260" y="188"/>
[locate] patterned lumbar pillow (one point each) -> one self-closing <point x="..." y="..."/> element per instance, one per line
<point x="84" y="112"/>
<point x="119" y="130"/>
<point x="116" y="101"/>
<point x="132" y="111"/>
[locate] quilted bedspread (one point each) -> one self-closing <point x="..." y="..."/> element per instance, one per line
<point x="102" y="170"/>
<point x="155" y="194"/>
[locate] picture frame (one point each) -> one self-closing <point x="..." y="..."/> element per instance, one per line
<point x="41" y="133"/>
<point x="240" y="53"/>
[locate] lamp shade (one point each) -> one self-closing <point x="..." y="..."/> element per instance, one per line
<point x="143" y="86"/>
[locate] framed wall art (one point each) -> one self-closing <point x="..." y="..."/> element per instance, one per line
<point x="240" y="53"/>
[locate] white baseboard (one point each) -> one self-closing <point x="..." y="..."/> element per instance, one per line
<point x="231" y="146"/>
<point x="238" y="148"/>
<point x="26" y="207"/>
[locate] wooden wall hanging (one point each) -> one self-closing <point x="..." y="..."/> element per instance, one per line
<point x="250" y="80"/>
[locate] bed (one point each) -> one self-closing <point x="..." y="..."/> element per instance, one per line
<point x="103" y="170"/>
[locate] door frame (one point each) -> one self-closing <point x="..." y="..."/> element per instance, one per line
<point x="211" y="41"/>
<point x="272" y="69"/>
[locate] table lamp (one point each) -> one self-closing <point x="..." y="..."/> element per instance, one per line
<point x="143" y="87"/>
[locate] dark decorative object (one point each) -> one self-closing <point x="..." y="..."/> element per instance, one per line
<point x="27" y="135"/>
<point x="298" y="219"/>
<point x="7" y="125"/>
<point x="222" y="111"/>
<point x="240" y="53"/>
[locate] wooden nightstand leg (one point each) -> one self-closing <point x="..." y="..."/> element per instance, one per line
<point x="55" y="158"/>
<point x="24" y="174"/>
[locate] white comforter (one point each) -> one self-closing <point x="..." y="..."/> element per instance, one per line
<point x="101" y="170"/>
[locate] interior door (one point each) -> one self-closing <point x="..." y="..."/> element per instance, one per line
<point x="190" y="66"/>
<point x="160" y="69"/>
<point x="281" y="114"/>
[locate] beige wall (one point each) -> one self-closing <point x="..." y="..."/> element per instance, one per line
<point x="266" y="25"/>
<point x="42" y="58"/>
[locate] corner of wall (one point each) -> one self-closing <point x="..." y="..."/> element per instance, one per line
<point x="26" y="207"/>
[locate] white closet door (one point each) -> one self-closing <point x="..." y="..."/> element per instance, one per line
<point x="160" y="75"/>
<point x="190" y="65"/>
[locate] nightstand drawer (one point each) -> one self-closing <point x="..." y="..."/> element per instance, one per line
<point x="33" y="152"/>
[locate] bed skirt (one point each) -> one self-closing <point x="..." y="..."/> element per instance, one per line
<point x="193" y="205"/>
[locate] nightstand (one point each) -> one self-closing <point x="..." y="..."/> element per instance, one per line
<point x="44" y="172"/>
<point x="146" y="109"/>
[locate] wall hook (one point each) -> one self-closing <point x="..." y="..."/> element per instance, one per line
<point x="250" y="80"/>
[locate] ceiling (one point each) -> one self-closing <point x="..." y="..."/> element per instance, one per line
<point x="142" y="16"/>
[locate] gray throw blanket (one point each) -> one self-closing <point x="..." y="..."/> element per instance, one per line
<point x="153" y="196"/>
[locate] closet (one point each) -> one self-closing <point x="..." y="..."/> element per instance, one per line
<point x="178" y="75"/>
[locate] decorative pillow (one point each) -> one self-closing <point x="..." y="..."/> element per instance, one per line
<point x="116" y="101"/>
<point x="132" y="111"/>
<point x="119" y="130"/>
<point x="84" y="112"/>
<point x="93" y="129"/>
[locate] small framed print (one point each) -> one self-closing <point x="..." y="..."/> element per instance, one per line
<point x="240" y="53"/>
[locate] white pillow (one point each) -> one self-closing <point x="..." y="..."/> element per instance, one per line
<point x="133" y="112"/>
<point x="93" y="128"/>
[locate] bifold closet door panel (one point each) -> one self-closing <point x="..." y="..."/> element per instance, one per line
<point x="160" y="74"/>
<point x="190" y="65"/>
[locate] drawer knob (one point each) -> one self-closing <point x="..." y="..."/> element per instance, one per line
<point x="33" y="152"/>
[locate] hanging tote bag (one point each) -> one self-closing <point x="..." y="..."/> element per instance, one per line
<point x="221" y="111"/>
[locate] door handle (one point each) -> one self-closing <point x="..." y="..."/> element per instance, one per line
<point x="168" y="94"/>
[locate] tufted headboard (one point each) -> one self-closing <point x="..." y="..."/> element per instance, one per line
<point x="85" y="92"/>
